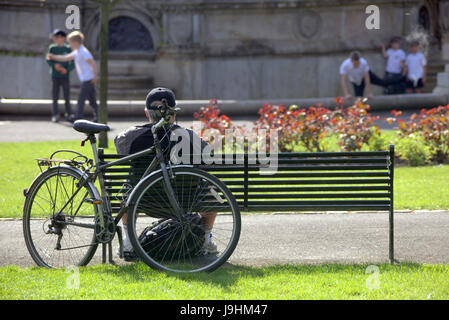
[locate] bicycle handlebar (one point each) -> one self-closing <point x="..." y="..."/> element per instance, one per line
<point x="158" y="125"/>
<point x="167" y="112"/>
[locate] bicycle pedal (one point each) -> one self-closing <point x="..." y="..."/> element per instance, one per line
<point x="93" y="201"/>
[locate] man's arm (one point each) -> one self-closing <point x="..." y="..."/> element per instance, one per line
<point x="424" y="77"/>
<point x="368" y="85"/>
<point x="403" y="66"/>
<point x="50" y="62"/>
<point x="345" y="87"/>
<point x="384" y="52"/>
<point x="404" y="70"/>
<point x="60" y="58"/>
<point x="94" y="69"/>
<point x="71" y="64"/>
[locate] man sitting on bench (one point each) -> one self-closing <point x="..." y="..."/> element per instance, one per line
<point x="139" y="138"/>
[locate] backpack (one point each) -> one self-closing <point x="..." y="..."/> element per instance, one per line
<point x="162" y="239"/>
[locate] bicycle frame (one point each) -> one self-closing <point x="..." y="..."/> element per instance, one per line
<point x="158" y="160"/>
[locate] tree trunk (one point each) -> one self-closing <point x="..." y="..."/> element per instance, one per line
<point x="103" y="110"/>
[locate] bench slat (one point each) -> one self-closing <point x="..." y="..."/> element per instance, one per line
<point x="291" y="189"/>
<point x="277" y="175"/>
<point x="318" y="181"/>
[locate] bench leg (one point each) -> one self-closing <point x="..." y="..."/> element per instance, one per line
<point x="111" y="261"/>
<point x="391" y="237"/>
<point x="107" y="253"/>
<point x="103" y="257"/>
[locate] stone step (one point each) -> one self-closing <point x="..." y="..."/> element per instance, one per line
<point x="117" y="94"/>
<point x="435" y="65"/>
<point x="443" y="79"/>
<point x="131" y="67"/>
<point x="130" y="82"/>
<point x="127" y="82"/>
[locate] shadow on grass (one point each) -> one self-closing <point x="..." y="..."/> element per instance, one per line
<point x="229" y="274"/>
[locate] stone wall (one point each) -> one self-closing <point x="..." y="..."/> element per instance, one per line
<point x="243" y="49"/>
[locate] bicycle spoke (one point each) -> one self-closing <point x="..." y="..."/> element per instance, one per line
<point x="43" y="227"/>
<point x="181" y="244"/>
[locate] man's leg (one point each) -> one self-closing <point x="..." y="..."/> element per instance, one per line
<point x="409" y="87"/>
<point x="394" y="88"/>
<point x="66" y="91"/>
<point x="376" y="80"/>
<point x="419" y="86"/>
<point x="359" y="89"/>
<point x="208" y="220"/>
<point x="55" y="94"/>
<point x="397" y="86"/>
<point x="81" y="100"/>
<point x="382" y="82"/>
<point x="209" y="247"/>
<point x="128" y="252"/>
<point x="126" y="243"/>
<point x="93" y="101"/>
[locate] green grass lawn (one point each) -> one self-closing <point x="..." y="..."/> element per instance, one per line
<point x="415" y="188"/>
<point x="137" y="281"/>
<point x="18" y="169"/>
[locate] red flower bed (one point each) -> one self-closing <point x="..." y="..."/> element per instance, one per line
<point x="296" y="126"/>
<point x="354" y="125"/>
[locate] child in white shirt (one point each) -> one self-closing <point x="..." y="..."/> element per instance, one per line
<point x="416" y="69"/>
<point x="395" y="68"/>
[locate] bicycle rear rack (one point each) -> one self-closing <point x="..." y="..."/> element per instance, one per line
<point x="79" y="161"/>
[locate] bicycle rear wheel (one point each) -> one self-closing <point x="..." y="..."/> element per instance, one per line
<point x="201" y="239"/>
<point x="51" y="242"/>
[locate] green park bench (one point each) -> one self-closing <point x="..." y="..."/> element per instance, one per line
<point x="303" y="182"/>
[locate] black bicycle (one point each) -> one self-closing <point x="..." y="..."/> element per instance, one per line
<point x="172" y="210"/>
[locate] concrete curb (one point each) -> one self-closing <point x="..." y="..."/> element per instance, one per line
<point x="228" y="107"/>
<point x="315" y="212"/>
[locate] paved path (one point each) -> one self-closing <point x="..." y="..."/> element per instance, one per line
<point x="20" y="129"/>
<point x="421" y="237"/>
<point x="26" y="130"/>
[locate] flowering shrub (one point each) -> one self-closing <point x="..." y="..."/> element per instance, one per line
<point x="378" y="142"/>
<point x="212" y="119"/>
<point x="413" y="149"/>
<point x="216" y="125"/>
<point x="304" y="127"/>
<point x="354" y="126"/>
<point x="432" y="125"/>
<point x="423" y="134"/>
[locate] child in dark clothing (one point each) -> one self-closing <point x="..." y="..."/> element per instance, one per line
<point x="60" y="72"/>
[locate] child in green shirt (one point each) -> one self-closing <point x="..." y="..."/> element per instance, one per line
<point x="60" y="74"/>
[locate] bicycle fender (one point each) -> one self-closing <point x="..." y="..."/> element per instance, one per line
<point x="78" y="171"/>
<point x="134" y="192"/>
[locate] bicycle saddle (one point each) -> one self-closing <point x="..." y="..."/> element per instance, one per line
<point x="89" y="127"/>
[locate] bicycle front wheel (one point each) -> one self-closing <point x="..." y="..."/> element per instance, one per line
<point x="51" y="235"/>
<point x="202" y="238"/>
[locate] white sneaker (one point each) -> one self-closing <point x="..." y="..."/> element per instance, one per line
<point x="209" y="247"/>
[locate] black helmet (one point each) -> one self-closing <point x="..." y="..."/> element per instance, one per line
<point x="155" y="99"/>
